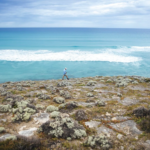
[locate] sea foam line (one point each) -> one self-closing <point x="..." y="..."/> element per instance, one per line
<point x="71" y="55"/>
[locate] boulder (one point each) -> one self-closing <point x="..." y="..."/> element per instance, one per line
<point x="59" y="100"/>
<point x="51" y="108"/>
<point x="81" y="115"/>
<point x="63" y="127"/>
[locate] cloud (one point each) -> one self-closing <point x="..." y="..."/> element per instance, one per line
<point x="86" y="13"/>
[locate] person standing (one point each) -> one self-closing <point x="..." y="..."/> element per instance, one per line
<point x="65" y="74"/>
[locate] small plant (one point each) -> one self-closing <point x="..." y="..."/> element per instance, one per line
<point x="21" y="143"/>
<point x="145" y="124"/>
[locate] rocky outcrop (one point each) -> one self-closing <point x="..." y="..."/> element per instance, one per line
<point x="63" y="127"/>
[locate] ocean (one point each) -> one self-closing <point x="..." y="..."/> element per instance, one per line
<point x="43" y="53"/>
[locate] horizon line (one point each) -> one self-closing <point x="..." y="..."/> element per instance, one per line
<point x="77" y="27"/>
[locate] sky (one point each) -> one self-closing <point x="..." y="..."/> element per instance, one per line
<point x="75" y="13"/>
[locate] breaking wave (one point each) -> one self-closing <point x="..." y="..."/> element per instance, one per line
<point x="71" y="55"/>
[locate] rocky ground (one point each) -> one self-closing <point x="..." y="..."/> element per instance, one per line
<point x="83" y="113"/>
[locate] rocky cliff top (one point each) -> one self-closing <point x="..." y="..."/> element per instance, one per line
<point x="84" y="113"/>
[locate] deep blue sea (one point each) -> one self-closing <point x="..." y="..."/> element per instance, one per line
<point x="43" y="53"/>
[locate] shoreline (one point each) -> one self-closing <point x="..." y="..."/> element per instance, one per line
<point x="130" y="76"/>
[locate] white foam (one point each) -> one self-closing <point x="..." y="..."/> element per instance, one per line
<point x="124" y="49"/>
<point x="71" y="55"/>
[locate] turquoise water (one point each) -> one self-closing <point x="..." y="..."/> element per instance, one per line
<point x="42" y="53"/>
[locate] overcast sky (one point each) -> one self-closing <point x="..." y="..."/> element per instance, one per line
<point x="75" y="13"/>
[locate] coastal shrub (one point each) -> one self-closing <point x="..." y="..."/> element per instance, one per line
<point x="145" y="124"/>
<point x="22" y="143"/>
<point x="140" y="112"/>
